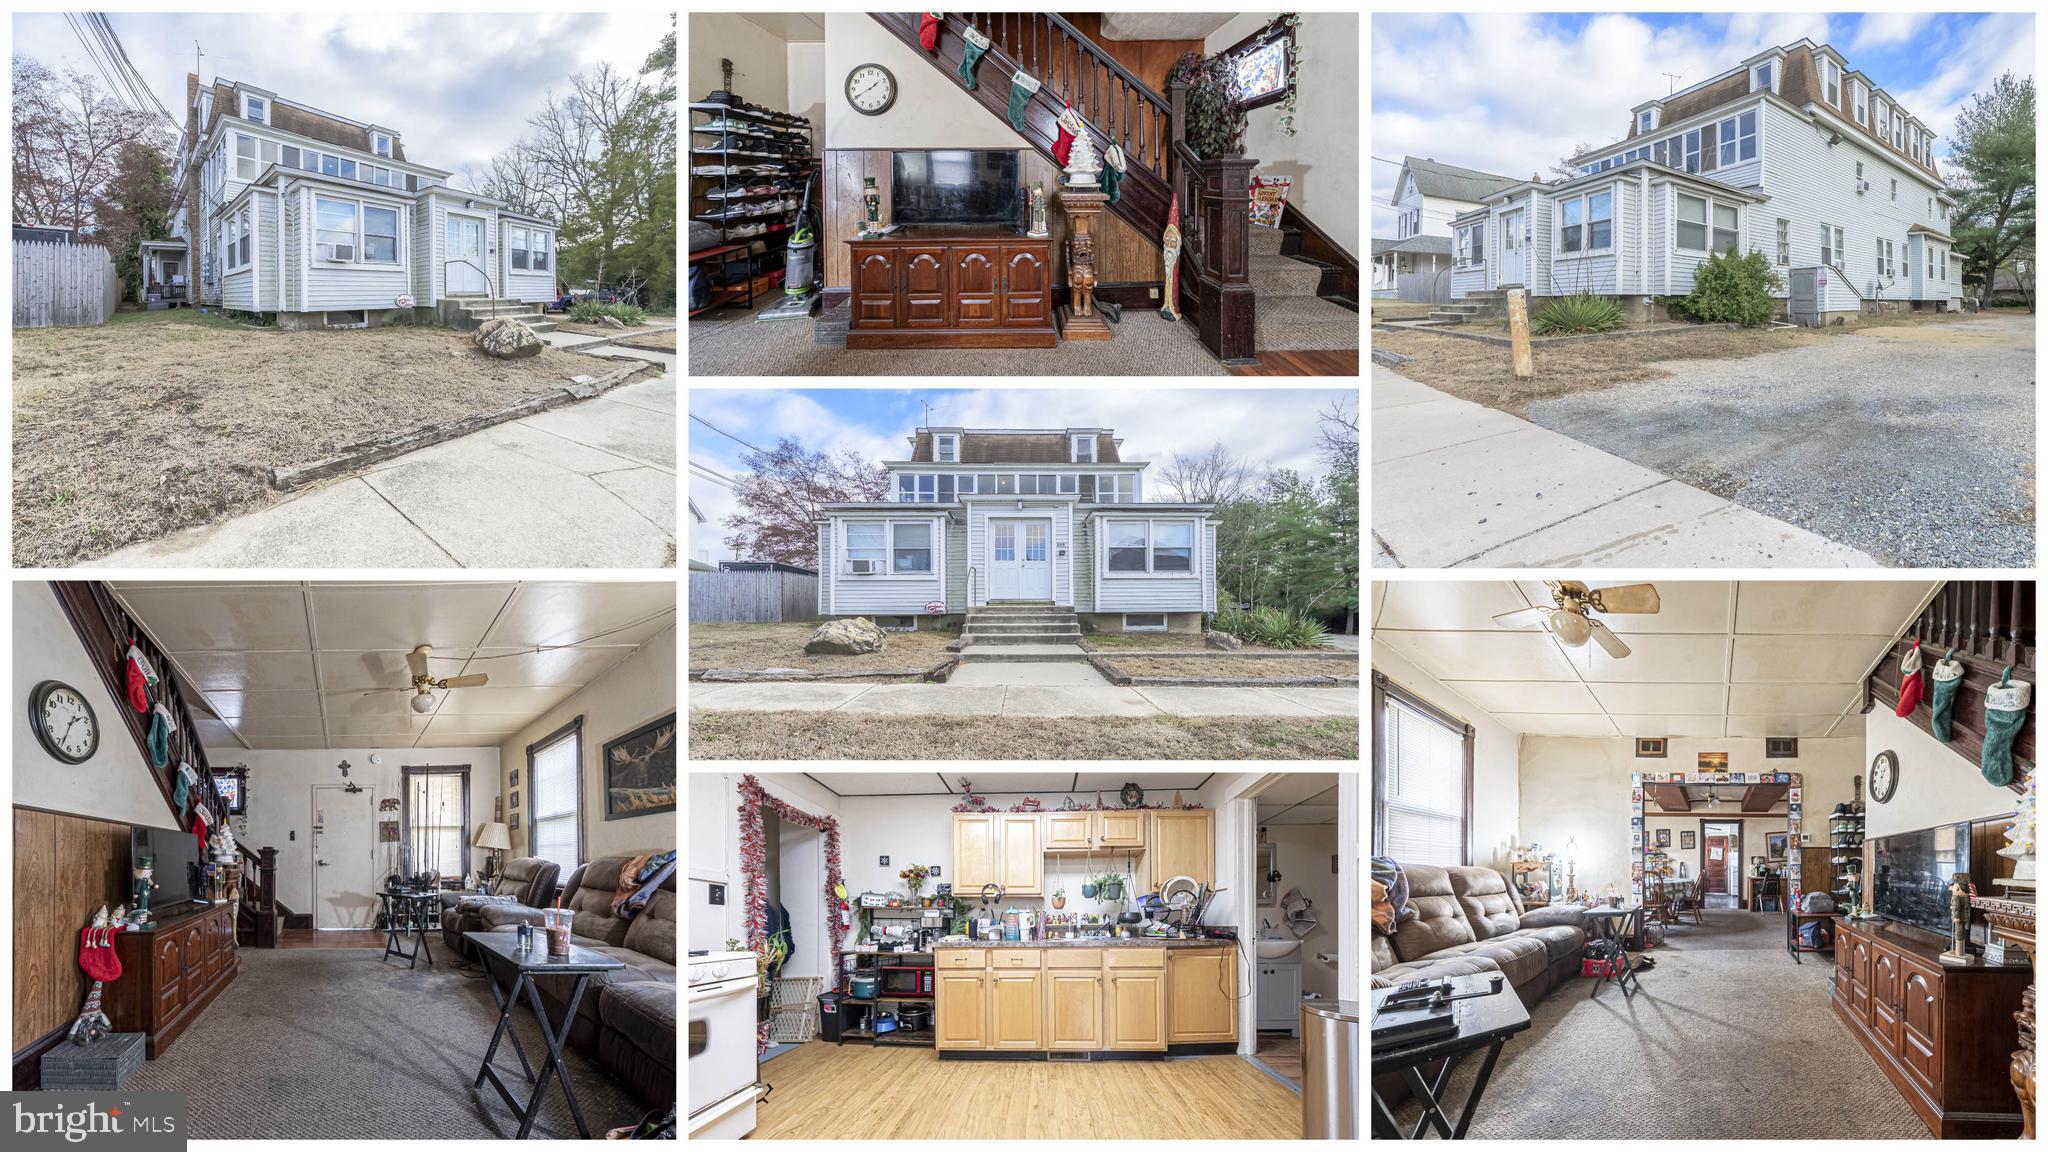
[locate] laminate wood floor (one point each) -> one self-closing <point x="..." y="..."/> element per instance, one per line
<point x="1282" y="1053"/>
<point x="826" y="1092"/>
<point x="1341" y="362"/>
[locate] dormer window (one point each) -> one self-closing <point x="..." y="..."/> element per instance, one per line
<point x="1646" y="120"/>
<point x="1861" y="96"/>
<point x="380" y="143"/>
<point x="1764" y="77"/>
<point x="946" y="448"/>
<point x="255" y="108"/>
<point x="1831" y="81"/>
<point x="1084" y="449"/>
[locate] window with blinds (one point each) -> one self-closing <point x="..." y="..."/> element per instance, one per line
<point x="554" y="768"/>
<point x="436" y="818"/>
<point x="1423" y="816"/>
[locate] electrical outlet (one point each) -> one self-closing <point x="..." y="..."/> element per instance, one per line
<point x="885" y="861"/>
<point x="1152" y="292"/>
<point x="718" y="893"/>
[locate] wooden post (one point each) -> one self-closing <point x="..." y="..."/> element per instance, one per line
<point x="1078" y="317"/>
<point x="1518" y="333"/>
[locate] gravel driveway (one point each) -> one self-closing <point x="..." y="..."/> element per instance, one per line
<point x="1914" y="443"/>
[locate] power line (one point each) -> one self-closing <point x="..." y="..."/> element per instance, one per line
<point x="135" y="72"/>
<point x="724" y="433"/>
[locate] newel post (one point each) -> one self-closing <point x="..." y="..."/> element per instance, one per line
<point x="1226" y="310"/>
<point x="266" y="877"/>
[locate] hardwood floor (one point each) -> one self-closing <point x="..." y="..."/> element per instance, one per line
<point x="1343" y="362"/>
<point x="344" y="938"/>
<point x="826" y="1092"/>
<point x="1282" y="1053"/>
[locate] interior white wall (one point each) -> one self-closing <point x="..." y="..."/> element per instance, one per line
<point x="1937" y="785"/>
<point x="1303" y="854"/>
<point x="280" y="806"/>
<point x="931" y="109"/>
<point x="115" y="783"/>
<point x="808" y="86"/>
<point x="1496" y="763"/>
<point x="802" y="885"/>
<point x="714" y="854"/>
<point x="1754" y="831"/>
<point x="760" y="59"/>
<point x="1349" y="895"/>
<point x="1322" y="156"/>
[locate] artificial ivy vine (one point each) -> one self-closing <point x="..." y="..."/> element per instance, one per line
<point x="1292" y="23"/>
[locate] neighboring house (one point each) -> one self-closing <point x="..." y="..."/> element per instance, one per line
<point x="1791" y="153"/>
<point x="700" y="541"/>
<point x="323" y="221"/>
<point x="45" y="233"/>
<point x="2010" y="284"/>
<point x="982" y="516"/>
<point x="1426" y="197"/>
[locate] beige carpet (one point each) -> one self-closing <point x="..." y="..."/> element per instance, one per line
<point x="1290" y="316"/>
<point x="1727" y="1038"/>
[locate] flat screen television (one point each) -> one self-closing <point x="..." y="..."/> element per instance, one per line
<point x="178" y="863"/>
<point x="1912" y="872"/>
<point x="954" y="186"/>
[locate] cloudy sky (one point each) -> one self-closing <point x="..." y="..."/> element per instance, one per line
<point x="456" y="88"/>
<point x="1270" y="426"/>
<point x="1472" y="104"/>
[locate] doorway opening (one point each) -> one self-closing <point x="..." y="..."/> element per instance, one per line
<point x="1300" y="921"/>
<point x="1721" y="862"/>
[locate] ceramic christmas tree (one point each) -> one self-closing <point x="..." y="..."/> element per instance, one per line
<point x="1084" y="166"/>
<point x="2020" y="841"/>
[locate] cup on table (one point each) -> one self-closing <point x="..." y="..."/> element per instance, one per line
<point x="557" y="922"/>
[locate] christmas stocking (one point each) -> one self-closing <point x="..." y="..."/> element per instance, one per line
<point x="1948" y="676"/>
<point x="1113" y="171"/>
<point x="1070" y="127"/>
<point x="96" y="954"/>
<point x="1021" y="89"/>
<point x="1912" y="683"/>
<point x="2005" y="709"/>
<point x="970" y="55"/>
<point x="186" y="779"/>
<point x="160" y="728"/>
<point x="141" y="678"/>
<point x="928" y="30"/>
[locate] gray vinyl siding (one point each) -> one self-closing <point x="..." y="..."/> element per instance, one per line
<point x="529" y="286"/>
<point x="886" y="594"/>
<point x="426" y="255"/>
<point x="238" y="290"/>
<point x="956" y="572"/>
<point x="1134" y="593"/>
<point x="294" y="261"/>
<point x="1659" y="252"/>
<point x="826" y="568"/>
<point x="1084" y="562"/>
<point x="263" y="250"/>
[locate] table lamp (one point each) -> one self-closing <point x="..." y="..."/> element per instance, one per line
<point x="495" y="838"/>
<point x="1571" y="871"/>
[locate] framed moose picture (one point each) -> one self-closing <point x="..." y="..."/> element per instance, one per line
<point x="640" y="771"/>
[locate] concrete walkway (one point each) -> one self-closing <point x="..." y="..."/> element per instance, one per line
<point x="590" y="485"/>
<point x="977" y="697"/>
<point x="1457" y="484"/>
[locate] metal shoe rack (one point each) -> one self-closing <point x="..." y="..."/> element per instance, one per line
<point x="771" y="148"/>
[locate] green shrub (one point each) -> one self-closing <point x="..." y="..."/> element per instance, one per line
<point x="1735" y="290"/>
<point x="1270" y="627"/>
<point x="1674" y="307"/>
<point x="586" y="311"/>
<point x="1583" y="312"/>
<point x="591" y="312"/>
<point x="632" y="316"/>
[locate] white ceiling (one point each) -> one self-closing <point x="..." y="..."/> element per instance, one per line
<point x="287" y="664"/>
<point x="1721" y="659"/>
<point x="1162" y="25"/>
<point x="1299" y="798"/>
<point x="795" y="27"/>
<point x="1049" y="787"/>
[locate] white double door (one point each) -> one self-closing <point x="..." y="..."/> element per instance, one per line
<point x="464" y="255"/>
<point x="1020" y="558"/>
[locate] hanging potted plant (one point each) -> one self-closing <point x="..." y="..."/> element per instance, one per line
<point x="1213" y="119"/>
<point x="1109" y="887"/>
<point x="1059" y="898"/>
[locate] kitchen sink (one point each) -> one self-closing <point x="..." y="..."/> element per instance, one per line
<point x="1276" y="949"/>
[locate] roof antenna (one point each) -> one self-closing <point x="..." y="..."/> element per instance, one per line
<point x="927" y="412"/>
<point x="196" y="54"/>
<point x="1675" y="78"/>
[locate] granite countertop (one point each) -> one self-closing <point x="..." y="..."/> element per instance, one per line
<point x="1086" y="942"/>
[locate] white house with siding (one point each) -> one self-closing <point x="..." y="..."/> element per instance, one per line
<point x="980" y="516"/>
<point x="321" y="221"/>
<point x="1791" y="153"/>
<point x="1427" y="195"/>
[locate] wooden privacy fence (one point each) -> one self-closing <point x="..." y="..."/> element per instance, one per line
<point x="63" y="284"/>
<point x="752" y="597"/>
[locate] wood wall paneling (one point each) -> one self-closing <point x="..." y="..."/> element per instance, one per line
<point x="65" y="868"/>
<point x="1148" y="60"/>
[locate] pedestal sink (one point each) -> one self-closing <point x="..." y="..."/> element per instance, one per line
<point x="1278" y="949"/>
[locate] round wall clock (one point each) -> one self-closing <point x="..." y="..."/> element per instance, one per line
<point x="64" y="722"/>
<point x="871" y="89"/>
<point x="1884" y="776"/>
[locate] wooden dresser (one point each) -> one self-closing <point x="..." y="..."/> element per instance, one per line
<point x="1942" y="1035"/>
<point x="929" y="286"/>
<point x="171" y="974"/>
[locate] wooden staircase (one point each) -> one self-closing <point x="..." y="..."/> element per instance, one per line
<point x="1990" y="624"/>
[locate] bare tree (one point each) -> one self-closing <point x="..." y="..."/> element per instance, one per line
<point x="782" y="494"/>
<point x="1212" y="477"/>
<point x="1564" y="169"/>
<point x="67" y="143"/>
<point x="1337" y="432"/>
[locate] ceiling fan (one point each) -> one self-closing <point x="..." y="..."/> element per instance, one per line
<point x="423" y="684"/>
<point x="1569" y="620"/>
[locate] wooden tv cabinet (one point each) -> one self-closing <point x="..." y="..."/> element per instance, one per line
<point x="934" y="286"/>
<point x="1942" y="1035"/>
<point x="171" y="974"/>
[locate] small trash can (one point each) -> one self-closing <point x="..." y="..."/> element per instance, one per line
<point x="829" y="1020"/>
<point x="1329" y="1069"/>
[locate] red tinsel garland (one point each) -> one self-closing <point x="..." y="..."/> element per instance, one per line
<point x="753" y="868"/>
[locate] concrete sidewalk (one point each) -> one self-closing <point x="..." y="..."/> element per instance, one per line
<point x="972" y="698"/>
<point x="590" y="485"/>
<point x="1456" y="484"/>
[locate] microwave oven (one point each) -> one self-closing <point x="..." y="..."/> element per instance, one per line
<point x="906" y="981"/>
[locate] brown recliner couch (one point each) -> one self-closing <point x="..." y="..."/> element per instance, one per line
<point x="626" y="1016"/>
<point x="1470" y="920"/>
<point x="528" y="880"/>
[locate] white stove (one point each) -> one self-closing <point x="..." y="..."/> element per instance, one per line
<point x="724" y="1048"/>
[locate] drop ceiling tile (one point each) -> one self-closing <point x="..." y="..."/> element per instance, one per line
<point x="350" y="727"/>
<point x="214" y="734"/>
<point x="1658" y="659"/>
<point x="566" y="613"/>
<point x="1790" y="699"/>
<point x="1804" y="659"/>
<point x="236" y="671"/>
<point x="1451" y="605"/>
<point x="1526" y="695"/>
<point x="885" y="783"/>
<point x="1292" y="788"/>
<point x="1704" y="727"/>
<point x="1110" y="781"/>
<point x="1808" y="726"/>
<point x="1816" y="607"/>
<point x="481" y="724"/>
<point x="1502" y="654"/>
<point x="300" y="743"/>
<point x="448" y="740"/>
<point x="367" y="703"/>
<point x="507" y="701"/>
<point x="513" y="668"/>
<point x="255" y="728"/>
<point x="1685" y="606"/>
<point x="385" y="668"/>
<point x="1534" y="724"/>
<point x="1055" y="783"/>
<point x="1302" y="814"/>
<point x="244" y="618"/>
<point x="402" y="616"/>
<point x="264" y="705"/>
<point x="1669" y="699"/>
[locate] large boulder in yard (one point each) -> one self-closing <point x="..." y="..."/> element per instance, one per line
<point x="508" y="339"/>
<point x="1222" y="640"/>
<point x="855" y="637"/>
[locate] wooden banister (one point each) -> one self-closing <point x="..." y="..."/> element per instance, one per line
<point x="1990" y="624"/>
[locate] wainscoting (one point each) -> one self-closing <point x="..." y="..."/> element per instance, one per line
<point x="65" y="868"/>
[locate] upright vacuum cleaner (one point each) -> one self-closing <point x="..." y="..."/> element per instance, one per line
<point x="800" y="284"/>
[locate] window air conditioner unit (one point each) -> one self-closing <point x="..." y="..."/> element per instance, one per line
<point x="1862" y="186"/>
<point x="865" y="567"/>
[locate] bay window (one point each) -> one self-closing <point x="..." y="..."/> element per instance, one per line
<point x="380" y="235"/>
<point x="1692" y="223"/>
<point x="1587" y="223"/>
<point x="519" y="249"/>
<point x="541" y="241"/>
<point x="1149" y="547"/>
<point x="913" y="547"/>
<point x="865" y="540"/>
<point x="1727" y="228"/>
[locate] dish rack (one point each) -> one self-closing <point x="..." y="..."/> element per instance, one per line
<point x="792" y="1009"/>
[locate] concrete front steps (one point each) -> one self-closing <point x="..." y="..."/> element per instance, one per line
<point x="1022" y="630"/>
<point x="469" y="312"/>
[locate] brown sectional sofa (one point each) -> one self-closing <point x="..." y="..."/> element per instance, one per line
<point x="1470" y="920"/>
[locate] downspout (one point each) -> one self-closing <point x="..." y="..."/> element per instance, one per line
<point x="279" y="229"/>
<point x="255" y="266"/>
<point x="1643" y="231"/>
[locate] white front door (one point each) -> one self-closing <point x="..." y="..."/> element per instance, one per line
<point x="344" y="836"/>
<point x="1513" y="252"/>
<point x="1020" y="559"/>
<point x="464" y="256"/>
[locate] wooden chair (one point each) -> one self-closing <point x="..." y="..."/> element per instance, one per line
<point x="1695" y="902"/>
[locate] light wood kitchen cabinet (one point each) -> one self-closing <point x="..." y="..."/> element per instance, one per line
<point x="1069" y="831"/>
<point x="1016" y="1009"/>
<point x="1202" y="995"/>
<point x="1020" y="866"/>
<point x="1183" y="844"/>
<point x="1120" y="829"/>
<point x="960" y="1009"/>
<point x="976" y="853"/>
<point x="1073" y="999"/>
<point x="1133" y="1008"/>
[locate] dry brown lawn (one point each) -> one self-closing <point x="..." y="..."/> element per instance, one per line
<point x="658" y="341"/>
<point x="848" y="736"/>
<point x="1223" y="667"/>
<point x="158" y="421"/>
<point x="1113" y="642"/>
<point x="754" y="647"/>
<point x="1401" y="310"/>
